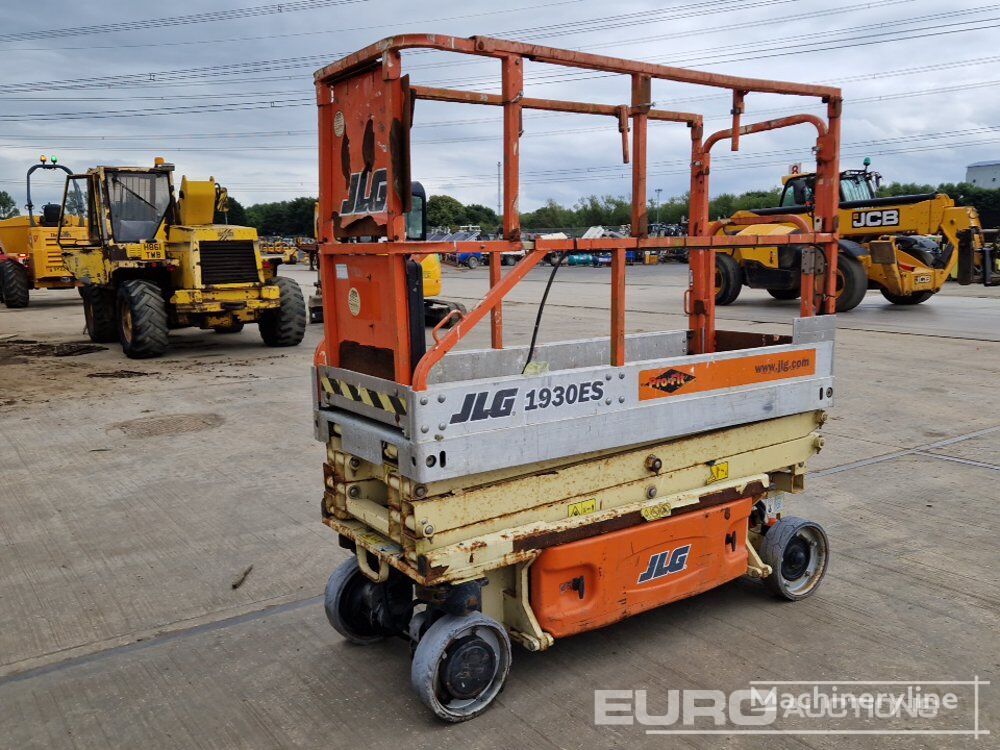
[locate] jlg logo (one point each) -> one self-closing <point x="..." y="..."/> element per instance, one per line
<point x="865" y="219"/>
<point x="367" y="193"/>
<point x="665" y="563"/>
<point x="474" y="407"/>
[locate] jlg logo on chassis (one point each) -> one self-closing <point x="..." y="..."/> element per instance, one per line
<point x="366" y="194"/>
<point x="474" y="408"/>
<point x="666" y="563"/>
<point x="867" y="219"/>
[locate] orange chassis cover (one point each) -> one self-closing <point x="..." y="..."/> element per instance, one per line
<point x="587" y="584"/>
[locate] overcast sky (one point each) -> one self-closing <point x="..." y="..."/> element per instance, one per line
<point x="228" y="93"/>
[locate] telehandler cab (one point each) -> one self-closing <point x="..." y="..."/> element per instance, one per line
<point x="149" y="262"/>
<point x="29" y="254"/>
<point x="905" y="246"/>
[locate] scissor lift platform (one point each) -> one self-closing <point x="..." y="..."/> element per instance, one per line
<point x="526" y="494"/>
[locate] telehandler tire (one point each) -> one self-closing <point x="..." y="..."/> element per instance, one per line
<point x="14" y="278"/>
<point x="852" y="283"/>
<point x="728" y="279"/>
<point x="907" y="299"/>
<point x="99" y="313"/>
<point x="286" y="324"/>
<point x="785" y="294"/>
<point x="798" y="552"/>
<point x="142" y="319"/>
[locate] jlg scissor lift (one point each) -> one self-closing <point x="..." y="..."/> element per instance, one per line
<point x="487" y="502"/>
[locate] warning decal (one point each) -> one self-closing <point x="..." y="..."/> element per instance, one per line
<point x="725" y="373"/>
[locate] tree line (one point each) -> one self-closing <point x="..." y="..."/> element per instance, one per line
<point x="293" y="218"/>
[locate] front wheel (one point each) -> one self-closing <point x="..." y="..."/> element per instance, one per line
<point x="798" y="552"/>
<point x="728" y="279"/>
<point x="472" y="263"/>
<point x="99" y="313"/>
<point x="14" y="280"/>
<point x="852" y="283"/>
<point x="286" y="324"/>
<point x="907" y="299"/>
<point x="142" y="319"/>
<point x="460" y="665"/>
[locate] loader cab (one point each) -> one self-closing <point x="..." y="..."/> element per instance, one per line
<point x="124" y="205"/>
<point x="51" y="213"/>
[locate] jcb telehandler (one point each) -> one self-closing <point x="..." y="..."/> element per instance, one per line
<point x="905" y="246"/>
<point x="150" y="262"/>
<point x="30" y="257"/>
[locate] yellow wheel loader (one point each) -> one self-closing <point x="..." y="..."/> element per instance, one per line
<point x="905" y="246"/>
<point x="150" y="262"/>
<point x="30" y="257"/>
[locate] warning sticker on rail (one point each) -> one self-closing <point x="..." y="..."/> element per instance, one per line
<point x="725" y="373"/>
<point x="718" y="471"/>
<point x="581" y="508"/>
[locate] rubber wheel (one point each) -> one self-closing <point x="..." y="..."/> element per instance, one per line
<point x="798" y="551"/>
<point x="142" y="319"/>
<point x="14" y="278"/>
<point x="234" y="327"/>
<point x="907" y="299"/>
<point x="852" y="283"/>
<point x="346" y="607"/>
<point x="99" y="313"/>
<point x="472" y="263"/>
<point x="286" y="324"/>
<point x="784" y="294"/>
<point x="728" y="281"/>
<point x="460" y="665"/>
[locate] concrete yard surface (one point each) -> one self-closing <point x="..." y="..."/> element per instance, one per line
<point x="136" y="496"/>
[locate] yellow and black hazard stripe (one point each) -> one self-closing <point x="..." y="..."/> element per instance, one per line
<point x="383" y="401"/>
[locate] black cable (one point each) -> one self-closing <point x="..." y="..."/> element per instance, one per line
<point x="541" y="309"/>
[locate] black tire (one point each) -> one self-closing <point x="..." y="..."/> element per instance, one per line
<point x="907" y="299"/>
<point x="553" y="259"/>
<point x="285" y="325"/>
<point x="472" y="263"/>
<point x="784" y="294"/>
<point x="99" y="313"/>
<point x="346" y="607"/>
<point x="728" y="279"/>
<point x="798" y="552"/>
<point x="234" y="327"/>
<point x="460" y="665"/>
<point x="142" y="319"/>
<point x="14" y="278"/>
<point x="852" y="283"/>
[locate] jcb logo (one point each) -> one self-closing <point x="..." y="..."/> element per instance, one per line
<point x="866" y="219"/>
<point x="474" y="408"/>
<point x="367" y="193"/>
<point x="665" y="563"/>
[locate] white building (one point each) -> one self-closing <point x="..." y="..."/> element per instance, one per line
<point x="984" y="174"/>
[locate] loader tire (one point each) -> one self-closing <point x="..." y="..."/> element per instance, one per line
<point x="798" y="552"/>
<point x="728" y="279"/>
<point x="907" y="299"/>
<point x="99" y="313"/>
<point x="14" y="278"/>
<point x="286" y="324"/>
<point x="142" y="319"/>
<point x="785" y="294"/>
<point x="852" y="283"/>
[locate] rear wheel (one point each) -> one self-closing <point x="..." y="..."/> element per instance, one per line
<point x="907" y="299"/>
<point x="142" y="319"/>
<point x="784" y="294"/>
<point x="799" y="553"/>
<point x="285" y="325"/>
<point x="472" y="263"/>
<point x="14" y="278"/>
<point x="728" y="283"/>
<point x="852" y="283"/>
<point x="99" y="313"/>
